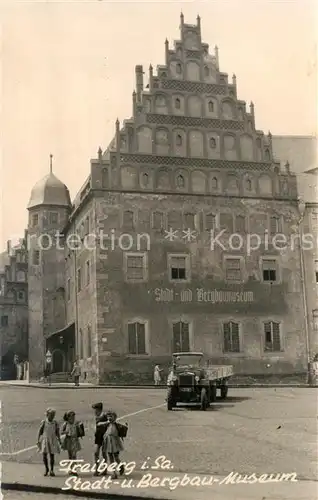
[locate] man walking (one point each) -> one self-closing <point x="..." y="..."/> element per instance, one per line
<point x="76" y="373"/>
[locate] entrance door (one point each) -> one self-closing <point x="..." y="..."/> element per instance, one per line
<point x="57" y="361"/>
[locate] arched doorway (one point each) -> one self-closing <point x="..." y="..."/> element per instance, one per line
<point x="58" y="361"/>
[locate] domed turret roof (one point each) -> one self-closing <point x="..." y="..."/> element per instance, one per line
<point x="49" y="191"/>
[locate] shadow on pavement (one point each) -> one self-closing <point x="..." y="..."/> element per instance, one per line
<point x="234" y="399"/>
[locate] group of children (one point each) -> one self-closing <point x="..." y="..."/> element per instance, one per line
<point x="109" y="435"/>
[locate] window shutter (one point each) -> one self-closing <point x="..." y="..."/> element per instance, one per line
<point x="141" y="339"/>
<point x="276" y="337"/>
<point x="132" y="344"/>
<point x="235" y="337"/>
<point x="227" y="337"/>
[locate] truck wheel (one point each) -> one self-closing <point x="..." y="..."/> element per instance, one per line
<point x="224" y="391"/>
<point x="213" y="393"/>
<point x="170" y="400"/>
<point x="204" y="400"/>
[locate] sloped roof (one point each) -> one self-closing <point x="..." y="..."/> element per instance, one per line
<point x="49" y="191"/>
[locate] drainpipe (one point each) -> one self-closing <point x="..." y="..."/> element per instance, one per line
<point x="76" y="305"/>
<point x="302" y="208"/>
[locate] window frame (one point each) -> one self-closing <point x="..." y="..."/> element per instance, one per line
<point x="142" y="321"/>
<point x="181" y="319"/>
<point x="4" y="324"/>
<point x="33" y="218"/>
<point x="278" y="270"/>
<point x="240" y="258"/>
<point x="124" y="224"/>
<point x="280" y="326"/>
<point x="226" y="321"/>
<point x="144" y="256"/>
<point x="187" y="257"/>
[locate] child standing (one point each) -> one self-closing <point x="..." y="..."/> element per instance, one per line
<point x="71" y="433"/>
<point x="49" y="440"/>
<point x="113" y="439"/>
<point x="100" y="416"/>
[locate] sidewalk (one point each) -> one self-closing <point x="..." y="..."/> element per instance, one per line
<point x="86" y="385"/>
<point x="28" y="477"/>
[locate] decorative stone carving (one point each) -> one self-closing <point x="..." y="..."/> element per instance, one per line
<point x="195" y="87"/>
<point x="188" y="121"/>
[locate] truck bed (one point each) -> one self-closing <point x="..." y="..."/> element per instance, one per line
<point x="219" y="371"/>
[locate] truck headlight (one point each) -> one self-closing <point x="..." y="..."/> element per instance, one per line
<point x="197" y="378"/>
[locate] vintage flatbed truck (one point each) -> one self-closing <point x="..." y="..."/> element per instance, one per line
<point x="193" y="380"/>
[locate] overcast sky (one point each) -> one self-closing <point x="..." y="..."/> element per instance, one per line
<point x="68" y="72"/>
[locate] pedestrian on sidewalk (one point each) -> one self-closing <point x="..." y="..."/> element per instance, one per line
<point x="76" y="373"/>
<point x="100" y="416"/>
<point x="113" y="440"/>
<point x="71" y="433"/>
<point x="156" y="375"/>
<point x="49" y="440"/>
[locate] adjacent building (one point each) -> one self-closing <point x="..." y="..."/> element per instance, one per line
<point x="155" y="254"/>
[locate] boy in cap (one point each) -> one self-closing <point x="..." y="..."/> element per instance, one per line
<point x="100" y="416"/>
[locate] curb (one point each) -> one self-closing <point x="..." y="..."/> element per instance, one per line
<point x="230" y="386"/>
<point x="75" y="493"/>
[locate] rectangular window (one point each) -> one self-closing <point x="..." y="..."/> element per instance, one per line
<point x="275" y="225"/>
<point x="178" y="267"/>
<point x="135" y="267"/>
<point x="316" y="270"/>
<point x="69" y="289"/>
<point x="188" y="221"/>
<point x="226" y="222"/>
<point x="181" y="337"/>
<point x="272" y="337"/>
<point x="137" y="338"/>
<point x="4" y="321"/>
<point x="128" y="219"/>
<point x="269" y="270"/>
<point x="233" y="270"/>
<point x="157" y="220"/>
<point x="36" y="257"/>
<point x="79" y="280"/>
<point x="21" y="295"/>
<point x="35" y="220"/>
<point x="88" y="272"/>
<point x="240" y="224"/>
<point x="54" y="217"/>
<point x="231" y="337"/>
<point x="210" y="222"/>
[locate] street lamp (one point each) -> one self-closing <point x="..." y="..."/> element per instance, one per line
<point x="48" y="359"/>
<point x="302" y="208"/>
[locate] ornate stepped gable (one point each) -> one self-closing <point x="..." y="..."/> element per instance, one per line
<point x="189" y="116"/>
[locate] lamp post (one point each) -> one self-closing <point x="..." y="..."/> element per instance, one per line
<point x="302" y="208"/>
<point x="48" y="361"/>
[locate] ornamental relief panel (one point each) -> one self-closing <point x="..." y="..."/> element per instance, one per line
<point x="162" y="142"/>
<point x="247" y="147"/>
<point x="230" y="152"/>
<point x="129" y="177"/>
<point x="194" y="106"/>
<point x="161" y="104"/>
<point x="144" y="140"/>
<point x="198" y="182"/>
<point x="193" y="71"/>
<point x="163" y="180"/>
<point x="196" y="143"/>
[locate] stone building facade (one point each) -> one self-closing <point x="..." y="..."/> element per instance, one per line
<point x="154" y="255"/>
<point x="13" y="308"/>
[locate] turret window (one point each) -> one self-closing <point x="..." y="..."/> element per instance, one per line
<point x="54" y="217"/>
<point x="35" y="220"/>
<point x="179" y="69"/>
<point x="179" y="140"/>
<point x="212" y="143"/>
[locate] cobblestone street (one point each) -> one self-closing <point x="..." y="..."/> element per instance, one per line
<point x="254" y="431"/>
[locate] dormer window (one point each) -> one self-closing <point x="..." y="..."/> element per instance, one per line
<point x="178" y="103"/>
<point x="212" y="143"/>
<point x="179" y="69"/>
<point x="211" y="106"/>
<point x="179" y="140"/>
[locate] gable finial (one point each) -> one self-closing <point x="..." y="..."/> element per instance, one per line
<point x="51" y="163"/>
